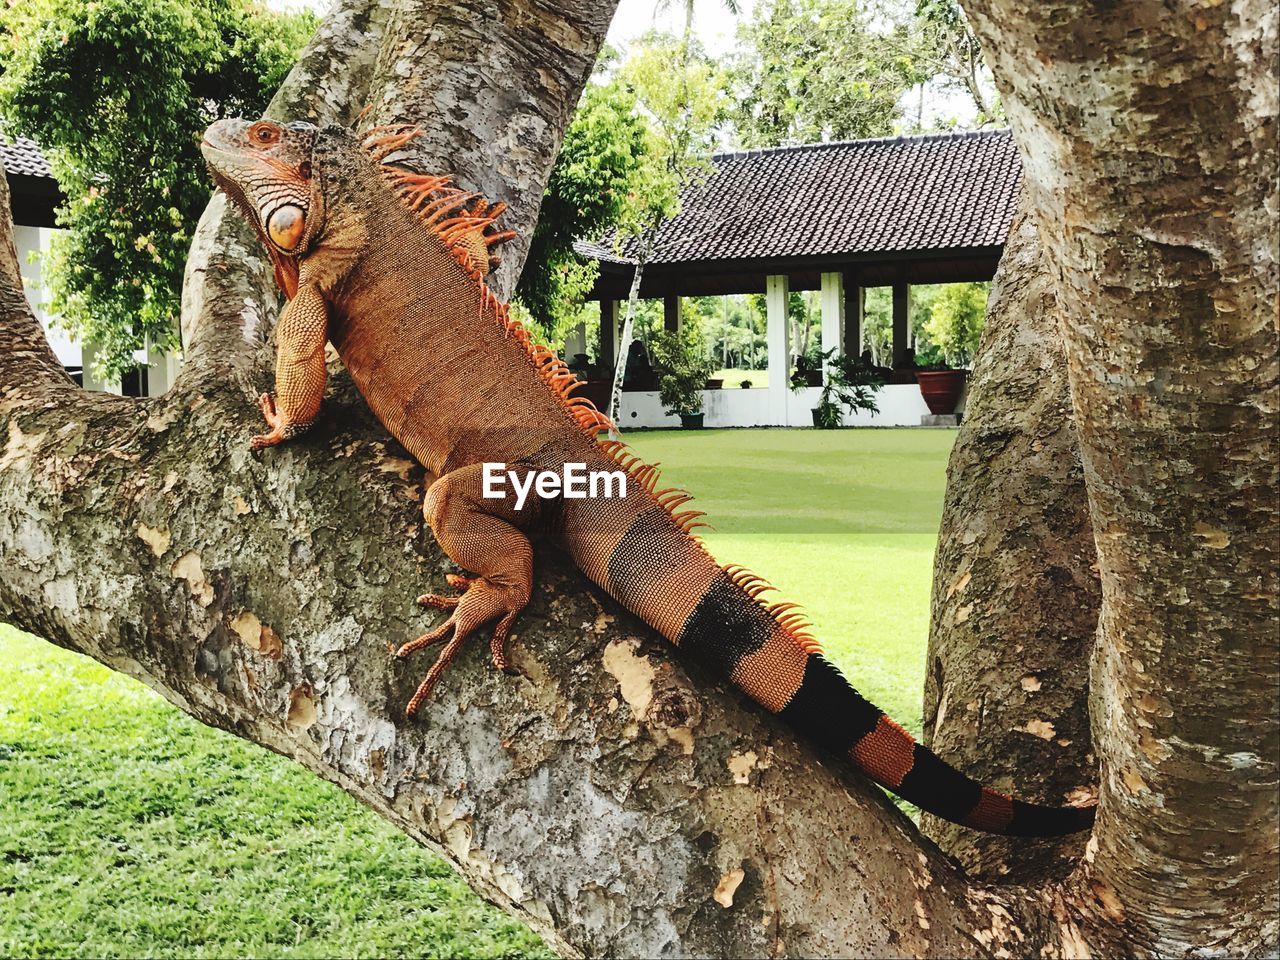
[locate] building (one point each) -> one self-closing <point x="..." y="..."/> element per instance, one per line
<point x="35" y="196"/>
<point x="834" y="217"/>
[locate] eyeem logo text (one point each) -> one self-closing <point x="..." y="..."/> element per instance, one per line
<point x="573" y="482"/>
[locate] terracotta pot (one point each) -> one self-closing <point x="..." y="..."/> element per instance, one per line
<point x="691" y="421"/>
<point x="941" y="389"/>
<point x="715" y="384"/>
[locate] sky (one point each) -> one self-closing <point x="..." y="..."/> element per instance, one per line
<point x="714" y="25"/>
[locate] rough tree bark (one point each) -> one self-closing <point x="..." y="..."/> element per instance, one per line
<point x="1015" y="592"/>
<point x="1148" y="133"/>
<point x="614" y="798"/>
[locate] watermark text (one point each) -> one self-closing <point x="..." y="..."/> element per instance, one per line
<point x="573" y="482"/>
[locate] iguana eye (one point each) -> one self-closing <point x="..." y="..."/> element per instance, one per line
<point x="264" y="134"/>
<point x="284" y="226"/>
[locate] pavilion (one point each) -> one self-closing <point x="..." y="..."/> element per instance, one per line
<point x="835" y="217"/>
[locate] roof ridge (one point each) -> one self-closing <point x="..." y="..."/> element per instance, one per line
<point x="830" y="144"/>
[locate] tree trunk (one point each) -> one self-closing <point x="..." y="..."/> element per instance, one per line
<point x="1015" y="591"/>
<point x="1148" y="133"/>
<point x="617" y="800"/>
<point x="627" y="331"/>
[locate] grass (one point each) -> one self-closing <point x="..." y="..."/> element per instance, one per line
<point x="733" y="378"/>
<point x="131" y="830"/>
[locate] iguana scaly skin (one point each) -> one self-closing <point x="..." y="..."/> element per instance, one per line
<point x="389" y="266"/>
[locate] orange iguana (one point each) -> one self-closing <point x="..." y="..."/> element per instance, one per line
<point x="389" y="266"/>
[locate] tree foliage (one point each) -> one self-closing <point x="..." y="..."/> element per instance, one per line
<point x="955" y="321"/>
<point x="586" y="195"/>
<point x="116" y="92"/>
<point x="683" y="98"/>
<point x="949" y="53"/>
<point x="815" y="70"/>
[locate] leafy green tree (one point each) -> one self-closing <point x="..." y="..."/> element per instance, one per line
<point x="587" y="194"/>
<point x="815" y="70"/>
<point x="682" y="96"/>
<point x="116" y="92"/>
<point x="955" y="321"/>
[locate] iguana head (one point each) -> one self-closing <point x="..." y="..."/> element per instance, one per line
<point x="264" y="167"/>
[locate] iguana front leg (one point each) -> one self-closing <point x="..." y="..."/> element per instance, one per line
<point x="300" y="370"/>
<point x="479" y="534"/>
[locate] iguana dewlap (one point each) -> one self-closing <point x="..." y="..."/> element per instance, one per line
<point x="389" y="266"/>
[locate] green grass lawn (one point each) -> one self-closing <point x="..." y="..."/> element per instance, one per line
<point x="733" y="378"/>
<point x="130" y="830"/>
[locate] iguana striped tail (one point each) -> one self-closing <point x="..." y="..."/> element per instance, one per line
<point x="656" y="569"/>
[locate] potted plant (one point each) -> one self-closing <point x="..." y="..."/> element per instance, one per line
<point x="808" y="370"/>
<point x="682" y="368"/>
<point x="715" y="384"/>
<point x="941" y="386"/>
<point x="953" y="328"/>
<point x="850" y="385"/>
<point x="745" y="385"/>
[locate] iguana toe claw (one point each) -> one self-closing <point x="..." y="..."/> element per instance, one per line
<point x="267" y="439"/>
<point x="481" y="602"/>
<point x="268" y="406"/>
<point x="438" y="601"/>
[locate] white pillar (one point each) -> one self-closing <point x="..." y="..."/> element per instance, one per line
<point x="576" y="342"/>
<point x="162" y="370"/>
<point x="88" y="351"/>
<point x="778" y="342"/>
<point x="831" y="302"/>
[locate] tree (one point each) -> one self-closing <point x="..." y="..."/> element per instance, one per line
<point x="259" y="595"/>
<point x="1015" y="592"/>
<point x="946" y="48"/>
<point x="955" y="321"/>
<point x="586" y="195"/>
<point x="116" y="92"/>
<point x="682" y="98"/>
<point x="816" y="70"/>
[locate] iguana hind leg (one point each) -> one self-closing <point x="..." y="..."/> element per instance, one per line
<point x="478" y="534"/>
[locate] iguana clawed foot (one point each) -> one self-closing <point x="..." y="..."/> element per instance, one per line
<point x="274" y="421"/>
<point x="481" y="602"/>
<point x="282" y="428"/>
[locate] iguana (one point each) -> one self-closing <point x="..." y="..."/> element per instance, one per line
<point x="389" y="266"/>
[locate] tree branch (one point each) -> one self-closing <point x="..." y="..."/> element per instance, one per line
<point x="1015" y="592"/>
<point x="26" y="359"/>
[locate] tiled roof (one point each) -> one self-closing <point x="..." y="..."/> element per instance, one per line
<point x="924" y="193"/>
<point x="22" y="157"/>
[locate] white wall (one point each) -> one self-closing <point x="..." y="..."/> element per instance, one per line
<point x="37" y="238"/>
<point x="900" y="406"/>
<point x="163" y="368"/>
